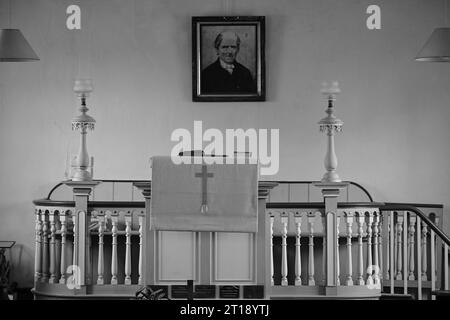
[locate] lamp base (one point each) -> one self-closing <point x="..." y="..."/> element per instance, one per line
<point x="81" y="175"/>
<point x="331" y="176"/>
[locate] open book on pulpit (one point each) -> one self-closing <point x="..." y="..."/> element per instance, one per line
<point x="202" y="195"/>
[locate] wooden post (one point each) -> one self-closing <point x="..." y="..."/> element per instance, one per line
<point x="298" y="256"/>
<point x="128" y="248"/>
<point x="148" y="237"/>
<point x="38" y="248"/>
<point x="330" y="192"/>
<point x="284" y="267"/>
<point x="81" y="215"/>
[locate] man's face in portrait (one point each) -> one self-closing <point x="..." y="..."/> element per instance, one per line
<point x="228" y="48"/>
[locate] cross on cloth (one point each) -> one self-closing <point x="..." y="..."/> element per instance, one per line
<point x="204" y="175"/>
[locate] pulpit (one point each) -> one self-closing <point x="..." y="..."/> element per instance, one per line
<point x="204" y="221"/>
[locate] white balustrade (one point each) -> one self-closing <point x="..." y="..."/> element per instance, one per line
<point x="62" y="219"/>
<point x="45" y="247"/>
<point x="369" y="221"/>
<point x="141" y="247"/>
<point x="411" y="233"/>
<point x="424" y="251"/>
<point x="311" y="220"/>
<point x="284" y="266"/>
<point x="52" y="267"/>
<point x="338" y="269"/>
<point x="349" y="222"/>
<point x="376" y="245"/>
<point x="298" y="256"/>
<point x="114" y="262"/>
<point x="100" y="263"/>
<point x="38" y="248"/>
<point x="360" y="220"/>
<point x="399" y="257"/>
<point x="128" y="248"/>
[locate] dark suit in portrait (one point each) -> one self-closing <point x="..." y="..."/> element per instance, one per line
<point x="217" y="79"/>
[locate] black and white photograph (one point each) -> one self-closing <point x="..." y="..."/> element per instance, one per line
<point x="235" y="158"/>
<point x="228" y="58"/>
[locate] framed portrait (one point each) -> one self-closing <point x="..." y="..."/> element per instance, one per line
<point x="228" y="58"/>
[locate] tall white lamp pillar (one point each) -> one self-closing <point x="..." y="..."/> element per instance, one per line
<point x="330" y="125"/>
<point x="83" y="123"/>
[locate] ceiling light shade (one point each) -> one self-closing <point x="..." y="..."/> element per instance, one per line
<point x="437" y="48"/>
<point x="14" y="46"/>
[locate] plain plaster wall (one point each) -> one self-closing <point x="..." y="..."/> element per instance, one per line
<point x="138" y="53"/>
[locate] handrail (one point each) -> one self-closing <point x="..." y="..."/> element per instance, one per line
<point x="404" y="207"/>
<point x="280" y="182"/>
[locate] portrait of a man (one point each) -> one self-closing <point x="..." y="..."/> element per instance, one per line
<point x="228" y="59"/>
<point x="226" y="74"/>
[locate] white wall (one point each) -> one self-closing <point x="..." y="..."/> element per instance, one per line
<point x="396" y="110"/>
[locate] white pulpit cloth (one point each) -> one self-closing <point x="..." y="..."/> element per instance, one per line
<point x="204" y="197"/>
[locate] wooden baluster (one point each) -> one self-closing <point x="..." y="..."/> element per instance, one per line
<point x="141" y="246"/>
<point x="272" y="218"/>
<point x="338" y="269"/>
<point x="128" y="247"/>
<point x="445" y="266"/>
<point x="399" y="228"/>
<point x="284" y="226"/>
<point x="349" y="222"/>
<point x="44" y="219"/>
<point x="411" y="232"/>
<point x="100" y="263"/>
<point x="75" y="239"/>
<point x="311" y="281"/>
<point x="419" y="258"/>
<point x="376" y="245"/>
<point x="62" y="218"/>
<point x="360" y="220"/>
<point x="38" y="248"/>
<point x="114" y="263"/>
<point x="298" y="256"/>
<point x="433" y="262"/>
<point x="380" y="247"/>
<point x="424" y="251"/>
<point x="388" y="247"/>
<point x="405" y="253"/>
<point x="369" y="272"/>
<point x="52" y="267"/>
<point x="391" y="251"/>
<point x="323" y="219"/>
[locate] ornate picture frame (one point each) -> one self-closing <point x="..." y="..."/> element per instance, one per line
<point x="228" y="58"/>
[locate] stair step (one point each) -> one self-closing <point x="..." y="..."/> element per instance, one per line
<point x="396" y="296"/>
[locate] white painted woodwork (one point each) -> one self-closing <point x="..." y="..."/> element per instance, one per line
<point x="376" y="245"/>
<point x="237" y="247"/>
<point x="323" y="219"/>
<point x="272" y="218"/>
<point x="370" y="266"/>
<point x="298" y="256"/>
<point x="101" y="263"/>
<point x="52" y="247"/>
<point x="411" y="233"/>
<point x="405" y="253"/>
<point x="349" y="223"/>
<point x="284" y="267"/>
<point x="63" y="266"/>
<point x="338" y="268"/>
<point x="75" y="239"/>
<point x="419" y="258"/>
<point x="128" y="248"/>
<point x="424" y="251"/>
<point x="445" y="266"/>
<point x="360" y="220"/>
<point x="387" y="271"/>
<point x="391" y="251"/>
<point x="45" y="248"/>
<point x="38" y="248"/>
<point x="177" y="256"/>
<point x="433" y="262"/>
<point x="399" y="257"/>
<point x="141" y="246"/>
<point x="311" y="219"/>
<point x="380" y="271"/>
<point x="114" y="262"/>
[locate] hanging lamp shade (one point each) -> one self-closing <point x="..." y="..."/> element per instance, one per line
<point x="437" y="48"/>
<point x="14" y="46"/>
